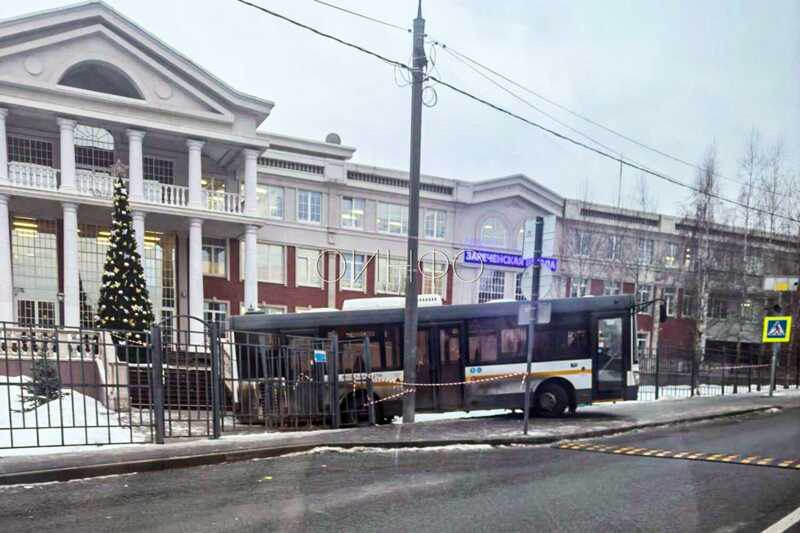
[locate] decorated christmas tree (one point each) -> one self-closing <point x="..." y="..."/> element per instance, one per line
<point x="124" y="303"/>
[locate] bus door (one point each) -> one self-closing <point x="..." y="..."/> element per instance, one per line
<point x="447" y="366"/>
<point x="610" y="351"/>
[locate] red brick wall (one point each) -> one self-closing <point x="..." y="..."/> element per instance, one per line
<point x="596" y="287"/>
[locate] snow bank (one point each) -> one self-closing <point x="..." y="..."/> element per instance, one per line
<point x="84" y="420"/>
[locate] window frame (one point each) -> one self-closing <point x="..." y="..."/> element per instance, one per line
<point x="226" y="250"/>
<point x="503" y="232"/>
<point x="390" y="269"/>
<point x="439" y="223"/>
<point x="352" y="218"/>
<point x="384" y="218"/>
<point x="492" y="294"/>
<point x="309" y="206"/>
<point x="361" y="275"/>
<point x="311" y="267"/>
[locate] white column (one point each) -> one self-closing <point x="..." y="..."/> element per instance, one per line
<point x="250" y="181"/>
<point x="72" y="305"/>
<point x="138" y="232"/>
<point x="250" y="268"/>
<point x="135" y="165"/>
<point x="67" y="128"/>
<point x="195" y="173"/>
<point x="3" y="148"/>
<point x="195" y="280"/>
<point x="6" y="280"/>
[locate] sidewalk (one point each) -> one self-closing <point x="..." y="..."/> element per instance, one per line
<point x="593" y="421"/>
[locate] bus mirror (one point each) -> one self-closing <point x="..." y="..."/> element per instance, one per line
<point x="662" y="312"/>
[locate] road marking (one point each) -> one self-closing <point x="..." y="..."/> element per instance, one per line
<point x="752" y="460"/>
<point x="785" y="523"/>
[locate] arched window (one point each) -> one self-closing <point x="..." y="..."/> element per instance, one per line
<point x="100" y="77"/>
<point x="493" y="232"/>
<point x="521" y="237"/>
<point x="94" y="148"/>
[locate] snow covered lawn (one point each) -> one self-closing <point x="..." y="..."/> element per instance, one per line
<point x="84" y="421"/>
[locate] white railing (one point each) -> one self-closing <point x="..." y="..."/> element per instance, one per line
<point x="222" y="202"/>
<point x="97" y="184"/>
<point x="166" y="194"/>
<point x="32" y="176"/>
<point x="101" y="185"/>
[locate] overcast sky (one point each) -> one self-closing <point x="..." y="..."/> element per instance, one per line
<point x="675" y="75"/>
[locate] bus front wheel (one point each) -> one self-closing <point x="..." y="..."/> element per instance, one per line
<point x="551" y="400"/>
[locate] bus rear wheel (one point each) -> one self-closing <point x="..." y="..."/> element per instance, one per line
<point x="551" y="400"/>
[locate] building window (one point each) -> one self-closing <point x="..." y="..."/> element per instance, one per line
<point x="717" y="308"/>
<point x="612" y="288"/>
<point x="582" y="243"/>
<point x="215" y="257"/>
<point x="643" y="295"/>
<point x="493" y="232"/>
<point x="215" y="312"/>
<point x="614" y="247"/>
<point x="671" y="254"/>
<point x="309" y="207"/>
<point x="94" y="148"/>
<point x="492" y="286"/>
<point x="578" y="287"/>
<point x="642" y="344"/>
<point x="34" y="260"/>
<point x="391" y="275"/>
<point x="353" y="212"/>
<point x="747" y="311"/>
<point x="688" y="306"/>
<point x="22" y="150"/>
<point x="670" y="300"/>
<point x="435" y="223"/>
<point x="353" y="271"/>
<point x="308" y="265"/>
<point x="434" y="278"/>
<point x="160" y="170"/>
<point x="270" y="201"/>
<point x="518" y="292"/>
<point x="270" y="262"/>
<point x="393" y="218"/>
<point x="267" y="309"/>
<point x="646" y="248"/>
<point x="754" y="265"/>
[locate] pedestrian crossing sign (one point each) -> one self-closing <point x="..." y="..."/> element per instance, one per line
<point x="776" y="329"/>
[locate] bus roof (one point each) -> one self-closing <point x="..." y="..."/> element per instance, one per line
<point x="261" y="322"/>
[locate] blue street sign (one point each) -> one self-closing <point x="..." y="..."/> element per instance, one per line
<point x="551" y="263"/>
<point x="320" y="356"/>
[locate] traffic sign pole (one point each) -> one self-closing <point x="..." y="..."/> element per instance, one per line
<point x="537" y="252"/>
<point x="776" y="348"/>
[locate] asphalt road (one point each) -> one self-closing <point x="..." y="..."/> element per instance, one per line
<point x="476" y="489"/>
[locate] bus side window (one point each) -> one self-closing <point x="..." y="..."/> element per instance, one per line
<point x="392" y="348"/>
<point x="512" y="344"/>
<point x="560" y="343"/>
<point x="483" y="347"/>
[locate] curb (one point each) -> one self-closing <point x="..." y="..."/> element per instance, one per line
<point x="218" y="457"/>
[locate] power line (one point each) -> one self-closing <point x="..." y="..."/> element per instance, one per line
<point x="362" y="16"/>
<point x="516" y="116"/>
<point x="465" y="58"/>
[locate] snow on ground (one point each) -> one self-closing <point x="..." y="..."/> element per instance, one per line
<point x="374" y="449"/>
<point x="454" y="415"/>
<point x="84" y="420"/>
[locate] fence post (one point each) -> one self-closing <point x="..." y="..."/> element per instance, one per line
<point x="797" y="369"/>
<point x="724" y="362"/>
<point x="333" y="380"/>
<point x="368" y="367"/>
<point x="157" y="383"/>
<point x="693" y="375"/>
<point x="658" y="369"/>
<point x="216" y="410"/>
<point x="750" y="374"/>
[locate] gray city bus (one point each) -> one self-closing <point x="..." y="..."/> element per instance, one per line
<point x="474" y="356"/>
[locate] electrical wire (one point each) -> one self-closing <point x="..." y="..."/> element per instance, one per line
<point x="467" y="59"/>
<point x="518" y="117"/>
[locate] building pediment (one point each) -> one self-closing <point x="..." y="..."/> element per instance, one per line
<point x="48" y="54"/>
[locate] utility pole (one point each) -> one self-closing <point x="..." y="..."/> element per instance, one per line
<point x="410" y="322"/>
<point x="534" y="318"/>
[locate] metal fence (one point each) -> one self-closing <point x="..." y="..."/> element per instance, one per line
<point x="72" y="386"/>
<point x="680" y="374"/>
<point x="69" y="386"/>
